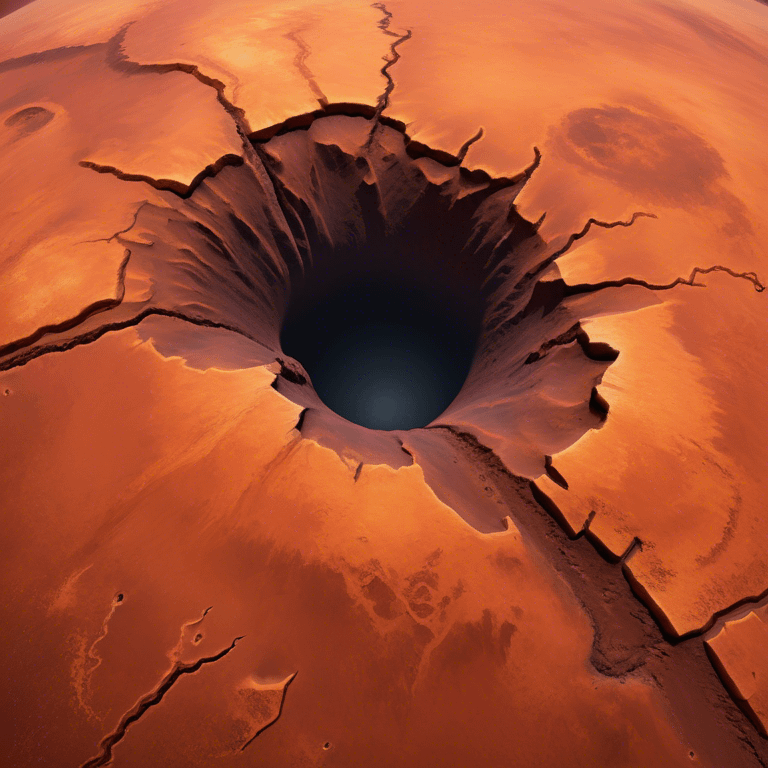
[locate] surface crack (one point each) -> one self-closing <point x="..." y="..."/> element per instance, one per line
<point x="690" y="280"/>
<point x="93" y="335"/>
<point x="167" y="185"/>
<point x="120" y="231"/>
<point x="389" y="61"/>
<point x="462" y="153"/>
<point x="119" y="61"/>
<point x="300" y="62"/>
<point x="584" y="231"/>
<point x="102" y="305"/>
<point x="150" y="700"/>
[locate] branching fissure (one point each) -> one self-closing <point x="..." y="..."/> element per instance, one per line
<point x="150" y="700"/>
<point x="120" y="231"/>
<point x="120" y="62"/>
<point x="33" y="352"/>
<point x="573" y="290"/>
<point x="583" y="232"/>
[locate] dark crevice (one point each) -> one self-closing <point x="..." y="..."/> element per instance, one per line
<point x="383" y="100"/>
<point x="168" y="185"/>
<point x="607" y="554"/>
<point x="587" y="523"/>
<point x="554" y="475"/>
<point x="462" y="153"/>
<point x="565" y="338"/>
<point x="102" y="305"/>
<point x="300" y="62"/>
<point x="404" y="449"/>
<point x="634" y="546"/>
<point x="359" y="470"/>
<point x="96" y="333"/>
<point x="573" y="290"/>
<point x="628" y="639"/>
<point x="290" y="373"/>
<point x="598" y="351"/>
<point x="150" y="700"/>
<point x="546" y="503"/>
<point x="300" y="420"/>
<point x="598" y="405"/>
<point x="117" y="59"/>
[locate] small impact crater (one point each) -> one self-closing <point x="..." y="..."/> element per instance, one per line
<point x="29" y="120"/>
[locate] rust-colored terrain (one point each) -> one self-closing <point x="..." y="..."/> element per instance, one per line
<point x="204" y="564"/>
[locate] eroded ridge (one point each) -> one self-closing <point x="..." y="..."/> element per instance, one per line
<point x="148" y="701"/>
<point x="269" y="724"/>
<point x="736" y="648"/>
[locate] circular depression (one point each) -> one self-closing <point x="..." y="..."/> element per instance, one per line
<point x="394" y="287"/>
<point x="381" y="352"/>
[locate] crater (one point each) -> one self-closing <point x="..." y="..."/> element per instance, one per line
<point x="29" y="120"/>
<point x="381" y="351"/>
<point x="395" y="290"/>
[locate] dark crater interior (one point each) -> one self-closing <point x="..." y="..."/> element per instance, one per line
<point x="384" y="351"/>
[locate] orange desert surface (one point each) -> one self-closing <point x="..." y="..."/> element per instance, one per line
<point x="204" y="563"/>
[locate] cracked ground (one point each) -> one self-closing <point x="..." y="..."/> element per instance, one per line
<point x="204" y="565"/>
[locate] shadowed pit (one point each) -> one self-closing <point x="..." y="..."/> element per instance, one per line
<point x="382" y="353"/>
